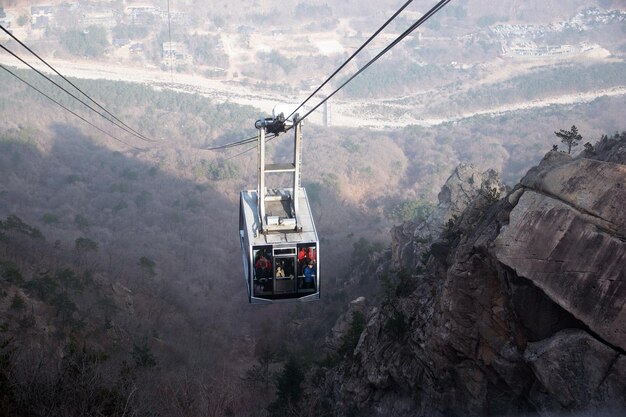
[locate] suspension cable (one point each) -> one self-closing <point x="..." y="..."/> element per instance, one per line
<point x="245" y="141"/>
<point x="134" y="132"/>
<point x="414" y="26"/>
<point x="371" y="38"/>
<point x="65" y="108"/>
<point x="69" y="93"/>
<point x="232" y="144"/>
<point x="419" y="22"/>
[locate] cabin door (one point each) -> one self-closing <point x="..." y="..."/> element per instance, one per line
<point x="285" y="272"/>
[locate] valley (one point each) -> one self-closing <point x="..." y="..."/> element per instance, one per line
<point x="121" y="289"/>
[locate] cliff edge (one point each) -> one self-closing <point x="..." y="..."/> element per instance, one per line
<point x="500" y="306"/>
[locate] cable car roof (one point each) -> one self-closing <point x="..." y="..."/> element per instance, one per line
<point x="306" y="232"/>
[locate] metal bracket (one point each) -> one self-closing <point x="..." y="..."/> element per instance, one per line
<point x="275" y="126"/>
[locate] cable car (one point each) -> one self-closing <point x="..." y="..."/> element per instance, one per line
<point x="279" y="243"/>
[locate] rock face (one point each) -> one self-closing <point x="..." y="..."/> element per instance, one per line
<point x="518" y="308"/>
<point x="575" y="369"/>
<point x="410" y="241"/>
<point x="566" y="238"/>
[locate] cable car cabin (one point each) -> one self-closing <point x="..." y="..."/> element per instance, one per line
<point x="279" y="242"/>
<point x="279" y="266"/>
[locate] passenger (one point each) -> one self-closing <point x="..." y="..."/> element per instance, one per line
<point x="280" y="271"/>
<point x="303" y="260"/>
<point x="288" y="268"/>
<point x="262" y="267"/>
<point x="311" y="254"/>
<point x="309" y="275"/>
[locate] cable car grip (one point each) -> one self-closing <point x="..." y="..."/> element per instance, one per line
<point x="275" y="125"/>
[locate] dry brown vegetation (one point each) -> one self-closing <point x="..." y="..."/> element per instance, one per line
<point x="152" y="314"/>
<point x="131" y="301"/>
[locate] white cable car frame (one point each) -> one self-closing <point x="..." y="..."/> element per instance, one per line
<point x="276" y="225"/>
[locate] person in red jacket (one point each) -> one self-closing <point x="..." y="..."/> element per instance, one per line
<point x="262" y="266"/>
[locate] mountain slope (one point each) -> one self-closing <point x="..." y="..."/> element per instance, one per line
<point x="517" y="307"/>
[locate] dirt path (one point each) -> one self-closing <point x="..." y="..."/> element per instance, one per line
<point x="344" y="113"/>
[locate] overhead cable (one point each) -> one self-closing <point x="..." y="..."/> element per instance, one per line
<point x="352" y="56"/>
<point x="65" y="108"/>
<point x="419" y="22"/>
<point x="69" y="93"/>
<point x="400" y="10"/>
<point x="414" y="26"/>
<point x="241" y="153"/>
<point x="132" y="131"/>
<point x="232" y="144"/>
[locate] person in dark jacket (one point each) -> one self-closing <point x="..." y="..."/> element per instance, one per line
<point x="309" y="275"/>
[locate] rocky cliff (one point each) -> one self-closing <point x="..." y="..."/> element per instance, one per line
<point x="498" y="306"/>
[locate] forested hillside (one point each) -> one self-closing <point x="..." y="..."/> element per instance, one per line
<point x="120" y="264"/>
<point x="121" y="290"/>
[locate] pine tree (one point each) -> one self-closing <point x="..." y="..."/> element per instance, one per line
<point x="569" y="137"/>
<point x="289" y="389"/>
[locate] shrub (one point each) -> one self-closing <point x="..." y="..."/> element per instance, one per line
<point x="81" y="222"/>
<point x="17" y="303"/>
<point x="363" y="248"/>
<point x="14" y="223"/>
<point x="397" y="325"/>
<point x="350" y="145"/>
<point x="351" y="338"/>
<point x="331" y="181"/>
<point x="10" y="273"/>
<point x="91" y="42"/>
<point x="42" y="287"/>
<point x="72" y="179"/>
<point x="402" y="284"/>
<point x="216" y="170"/>
<point x="408" y="210"/>
<point x="50" y="218"/>
<point x="83" y="244"/>
<point x="147" y="265"/>
<point x="142" y="355"/>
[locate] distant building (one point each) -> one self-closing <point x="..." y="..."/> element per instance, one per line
<point x="40" y="22"/>
<point x="530" y="48"/>
<point x="42" y="10"/>
<point x="215" y="72"/>
<point x="174" y="50"/>
<point x="178" y="17"/>
<point x="42" y="15"/>
<point x="120" y="42"/>
<point x="142" y="13"/>
<point x="245" y="30"/>
<point x="136" y="48"/>
<point x="5" y="21"/>
<point x="100" y="18"/>
<point x="142" y="8"/>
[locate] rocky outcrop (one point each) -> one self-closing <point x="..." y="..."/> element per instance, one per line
<point x="576" y="370"/>
<point x="520" y="308"/>
<point x="341" y="328"/>
<point x="566" y="234"/>
<point x="409" y="240"/>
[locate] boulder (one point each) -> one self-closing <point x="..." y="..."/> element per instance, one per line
<point x="572" y="366"/>
<point x="567" y="235"/>
<point x="342" y="326"/>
